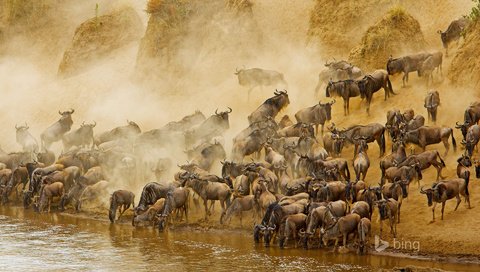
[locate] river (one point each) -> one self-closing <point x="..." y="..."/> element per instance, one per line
<point x="55" y="242"/>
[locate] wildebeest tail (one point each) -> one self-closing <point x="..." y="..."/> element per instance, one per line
<point x="382" y="142"/>
<point x="441" y="160"/>
<point x="348" y="172"/>
<point x="389" y="85"/>
<point x="454" y="143"/>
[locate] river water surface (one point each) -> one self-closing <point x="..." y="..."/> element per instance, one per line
<point x="53" y="242"/>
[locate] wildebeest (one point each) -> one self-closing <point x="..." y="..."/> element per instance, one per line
<point x="256" y="77"/>
<point x="364" y="232"/>
<point x="186" y="122"/>
<point x="239" y="205"/>
<point x="55" y="132"/>
<point x="340" y="228"/>
<point x="425" y="159"/>
<point x="92" y="192"/>
<point x="213" y="126"/>
<point x="337" y="70"/>
<point x="453" y="32"/>
<point x="445" y="190"/>
<point x="424" y="136"/>
<point x="270" y="108"/>
<point x="371" y="132"/>
<point x="471" y="139"/>
<point x="121" y="201"/>
<point x="47" y="193"/>
<point x="432" y="101"/>
<point x="406" y="64"/>
<point x="285" y="122"/>
<point x="150" y="215"/>
<point x="209" y="191"/>
<point x="344" y="89"/>
<point x="463" y="167"/>
<point x="372" y="83"/>
<point x="26" y="140"/>
<point x="361" y="162"/>
<point x="208" y="155"/>
<point x="396" y="190"/>
<point x="251" y="144"/>
<point x="388" y="209"/>
<point x="293" y="224"/>
<point x="317" y="114"/>
<point x="18" y="176"/>
<point x="80" y="137"/>
<point x="151" y="192"/>
<point x="176" y="200"/>
<point x="297" y="130"/>
<point x="127" y="132"/>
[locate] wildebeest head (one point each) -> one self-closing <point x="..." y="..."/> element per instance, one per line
<point x="429" y="193"/>
<point x="382" y="208"/>
<point x="280" y="100"/>
<point x="443" y="37"/>
<point x="222" y="118"/>
<point x="22" y="132"/>
<point x="463" y="128"/>
<point x="328" y="108"/>
<point x="465" y="160"/>
<point x="394" y="66"/>
<point x="66" y="119"/>
<point x="477" y="168"/>
<point x="133" y="127"/>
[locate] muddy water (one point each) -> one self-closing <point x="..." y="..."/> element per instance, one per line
<point x="60" y="242"/>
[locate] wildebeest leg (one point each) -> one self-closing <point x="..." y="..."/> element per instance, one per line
<point x="447" y="146"/>
<point x="205" y="204"/>
<point x="458" y="202"/>
<point x="345" y="106"/>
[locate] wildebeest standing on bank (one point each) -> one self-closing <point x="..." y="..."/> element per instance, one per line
<point x="128" y="132"/>
<point x="256" y="77"/>
<point x="453" y="32"/>
<point x="213" y="126"/>
<point x="55" y="132"/>
<point x="424" y="136"/>
<point x="26" y="140"/>
<point x="406" y="64"/>
<point x="318" y="115"/>
<point x="121" y="201"/>
<point x="82" y="136"/>
<point x="335" y="71"/>
<point x="270" y="108"/>
<point x="344" y="89"/>
<point x="432" y="101"/>
<point x="372" y="83"/>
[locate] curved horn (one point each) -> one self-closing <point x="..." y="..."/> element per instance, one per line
<point x="71" y="111"/>
<point x="16" y="127"/>
<point x="94" y="124"/>
<point x="422" y="191"/>
<point x="59" y="112"/>
<point x="229" y="110"/>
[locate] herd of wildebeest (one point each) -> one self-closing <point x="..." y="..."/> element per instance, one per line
<point x="293" y="178"/>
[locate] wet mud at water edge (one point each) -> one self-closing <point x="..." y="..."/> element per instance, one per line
<point x="52" y="242"/>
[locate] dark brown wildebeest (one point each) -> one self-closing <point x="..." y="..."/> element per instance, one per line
<point x="344" y="89"/>
<point x="80" y="137"/>
<point x="364" y="233"/>
<point x="406" y="64"/>
<point x="340" y="228"/>
<point x="151" y="192"/>
<point x="215" y="125"/>
<point x="256" y="77"/>
<point x="453" y="32"/>
<point x="55" y="132"/>
<point x="390" y="160"/>
<point x="337" y="70"/>
<point x="333" y="143"/>
<point x="426" y="159"/>
<point x="396" y="190"/>
<point x="314" y="222"/>
<point x="388" y="209"/>
<point x="270" y="108"/>
<point x="26" y="140"/>
<point x="432" y="101"/>
<point x="471" y="139"/>
<point x="18" y="176"/>
<point x="120" y="200"/>
<point x="370" y="195"/>
<point x="372" y="83"/>
<point x="424" y="136"/>
<point x="127" y="132"/>
<point x="371" y="132"/>
<point x="463" y="167"/>
<point x="406" y="173"/>
<point x="351" y="191"/>
<point x="252" y="144"/>
<point x="317" y="114"/>
<point x="150" y="215"/>
<point x="176" y="200"/>
<point x="293" y="224"/>
<point x="47" y="193"/>
<point x="445" y="190"/>
<point x="471" y="117"/>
